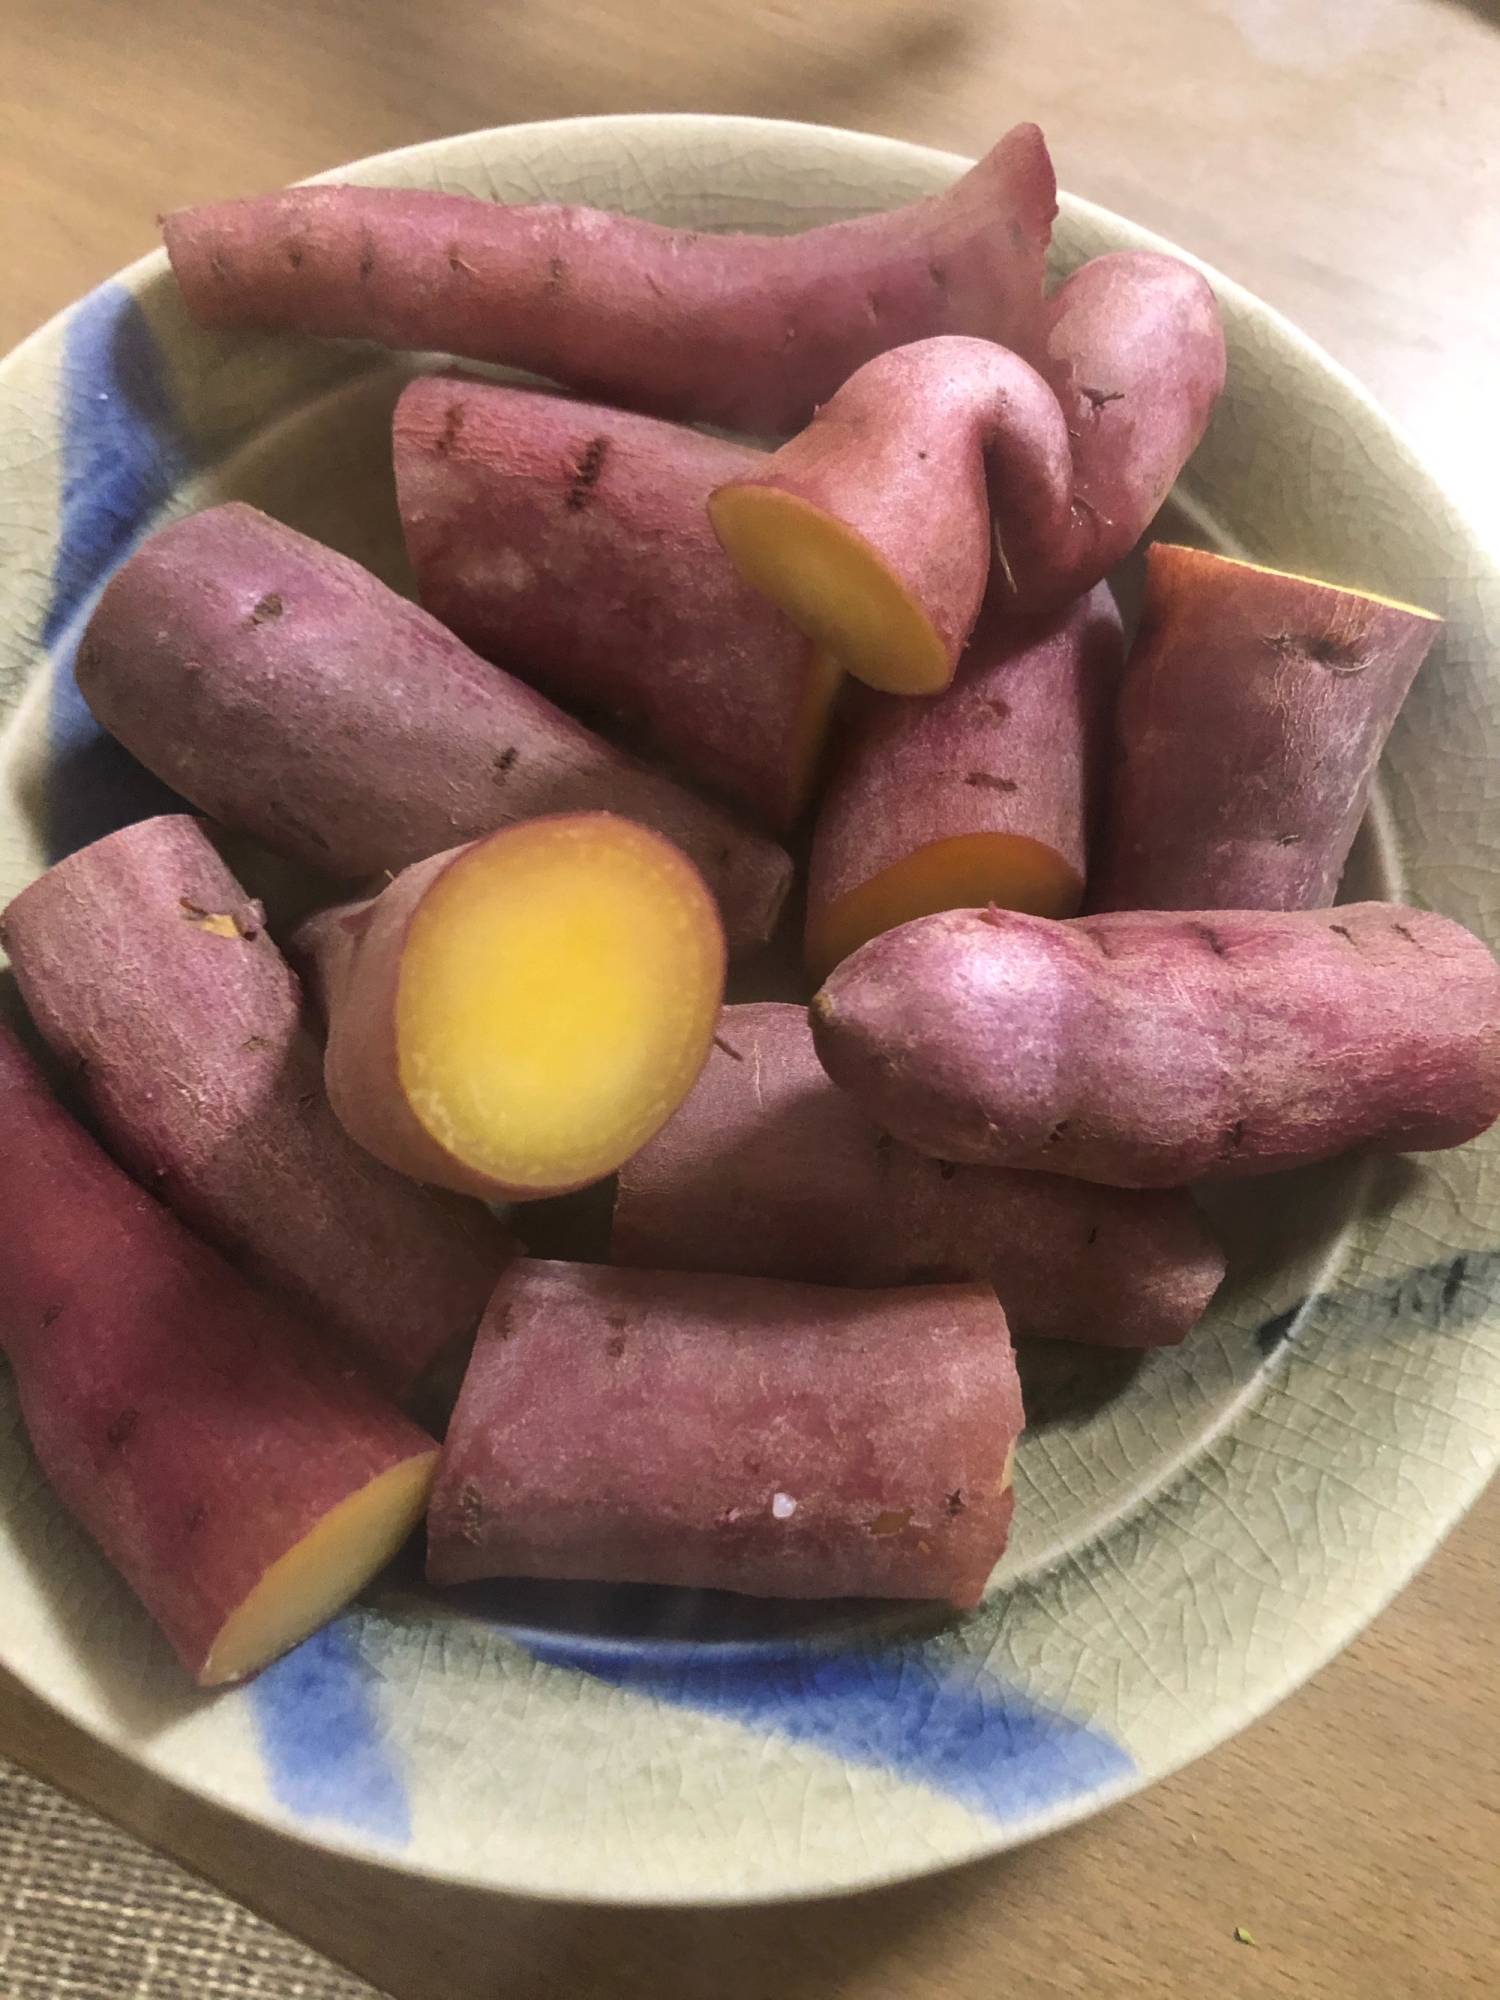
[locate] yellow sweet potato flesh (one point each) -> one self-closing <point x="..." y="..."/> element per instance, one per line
<point x="968" y="871"/>
<point x="328" y="1567"/>
<point x="833" y="585"/>
<point x="557" y="1000"/>
<point x="813" y="722"/>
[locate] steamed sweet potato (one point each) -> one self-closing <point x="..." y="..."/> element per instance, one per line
<point x="986" y="793"/>
<point x="572" y="543"/>
<point x="875" y="527"/>
<point x="731" y="1434"/>
<point x="152" y="978"/>
<point x="1144" y="1048"/>
<point x="770" y="1171"/>
<point x="1252" y="715"/>
<point x="284" y="690"/>
<point x="514" y="1018"/>
<point x="244" y="1481"/>
<point x="749" y="332"/>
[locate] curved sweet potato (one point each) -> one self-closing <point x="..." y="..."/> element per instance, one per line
<point x="731" y="1434"/>
<point x="749" y="332"/>
<point x="153" y="979"/>
<point x="875" y="527"/>
<point x="572" y="543"/>
<point x="283" y="689"/>
<point x="986" y="793"/>
<point x="1251" y="719"/>
<point x="245" y="1481"/>
<point x="1144" y="1048"/>
<point x="513" y="1019"/>
<point x="768" y="1170"/>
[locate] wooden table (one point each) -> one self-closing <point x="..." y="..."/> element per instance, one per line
<point x="1341" y="157"/>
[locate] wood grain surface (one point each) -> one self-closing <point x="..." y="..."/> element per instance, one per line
<point x="1342" y="158"/>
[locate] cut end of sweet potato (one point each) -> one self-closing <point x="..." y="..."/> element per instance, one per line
<point x="833" y="586"/>
<point x="1166" y="553"/>
<point x="557" y="999"/>
<point x="824" y="679"/>
<point x="969" y="871"/>
<point x="328" y="1567"/>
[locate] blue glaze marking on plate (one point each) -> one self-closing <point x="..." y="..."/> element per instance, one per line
<point x="1448" y="1297"/>
<point x="122" y="454"/>
<point x="325" y="1749"/>
<point x="933" y="1716"/>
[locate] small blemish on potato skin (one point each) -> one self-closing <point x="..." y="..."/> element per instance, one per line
<point x="891" y="1521"/>
<point x="470" y="1513"/>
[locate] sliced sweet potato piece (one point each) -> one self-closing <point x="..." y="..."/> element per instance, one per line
<point x="244" y="1480"/>
<point x="515" y="1018"/>
<point x="986" y="793"/>
<point x="731" y="1434"/>
<point x="284" y="690"/>
<point x="571" y="544"/>
<point x="1253" y="712"/>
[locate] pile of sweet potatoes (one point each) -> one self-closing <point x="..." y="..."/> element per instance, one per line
<point x="1071" y="906"/>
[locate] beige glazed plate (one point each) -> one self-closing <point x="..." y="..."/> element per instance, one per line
<point x="1194" y="1535"/>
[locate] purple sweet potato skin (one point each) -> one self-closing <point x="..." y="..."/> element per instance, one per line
<point x="951" y="448"/>
<point x="573" y="544"/>
<point x="191" y="1052"/>
<point x="350" y="957"/>
<point x="770" y="1171"/>
<point x="193" y="1428"/>
<point x="932" y="454"/>
<point x="1250" y="722"/>
<point x="281" y="688"/>
<point x="1145" y="1048"/>
<point x="638" y="1426"/>
<point x="1017" y="745"/>
<point x="1136" y="358"/>
<point x="748" y="332"/>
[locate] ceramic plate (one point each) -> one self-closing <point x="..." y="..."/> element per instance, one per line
<point x="1194" y="1534"/>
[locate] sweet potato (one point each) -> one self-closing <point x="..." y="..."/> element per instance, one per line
<point x="514" y="1018"/>
<point x="749" y="332"/>
<point x="731" y="1434"/>
<point x="284" y="690"/>
<point x="770" y="1171"/>
<point x="572" y="543"/>
<point x="874" y="528"/>
<point x="1251" y="718"/>
<point x="984" y="794"/>
<point x="1144" y="1048"/>
<point x="152" y="978"/>
<point x="244" y="1481"/>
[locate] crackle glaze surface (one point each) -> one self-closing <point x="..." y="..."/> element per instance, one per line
<point x="1188" y="1547"/>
